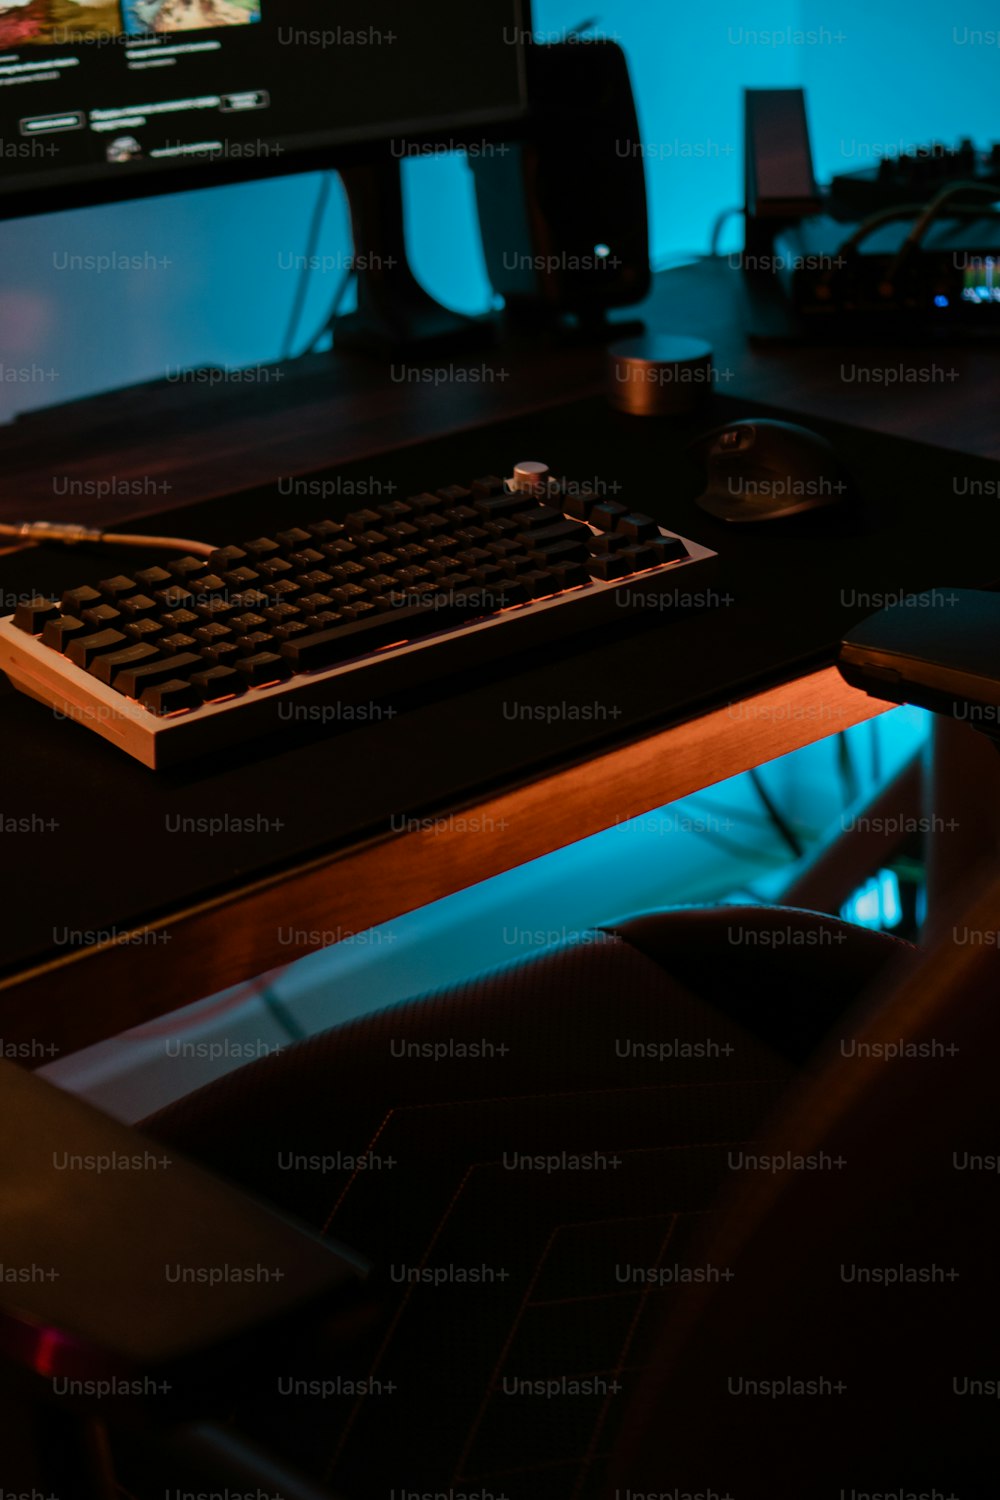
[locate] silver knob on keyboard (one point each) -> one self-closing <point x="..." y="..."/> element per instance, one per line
<point x="529" y="478"/>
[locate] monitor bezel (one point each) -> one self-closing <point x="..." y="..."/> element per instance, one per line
<point x="509" y="123"/>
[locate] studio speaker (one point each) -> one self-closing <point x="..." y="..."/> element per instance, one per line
<point x="563" y="212"/>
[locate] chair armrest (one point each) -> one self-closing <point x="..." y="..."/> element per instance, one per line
<point x="939" y="650"/>
<point x="121" y="1258"/>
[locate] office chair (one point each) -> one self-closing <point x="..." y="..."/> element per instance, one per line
<point x="582" y="1251"/>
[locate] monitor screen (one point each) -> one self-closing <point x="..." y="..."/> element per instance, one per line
<point x="103" y="99"/>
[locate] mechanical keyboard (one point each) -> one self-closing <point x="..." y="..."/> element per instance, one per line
<point x="180" y="659"/>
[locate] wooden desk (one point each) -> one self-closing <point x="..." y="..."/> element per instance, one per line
<point x="178" y="442"/>
<point x="182" y="444"/>
<point x="148" y="971"/>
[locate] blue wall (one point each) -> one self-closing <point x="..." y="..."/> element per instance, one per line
<point x="220" y="289"/>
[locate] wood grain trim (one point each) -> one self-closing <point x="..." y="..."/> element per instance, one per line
<point x="91" y="995"/>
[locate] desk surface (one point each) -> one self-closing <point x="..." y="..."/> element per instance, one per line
<point x="173" y="443"/>
<point x="120" y="889"/>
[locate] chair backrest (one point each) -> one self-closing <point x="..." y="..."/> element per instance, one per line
<point x="854" y="1349"/>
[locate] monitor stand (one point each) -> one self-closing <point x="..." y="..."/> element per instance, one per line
<point x="395" y="316"/>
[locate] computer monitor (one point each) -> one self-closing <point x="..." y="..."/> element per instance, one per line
<point x="111" y="99"/>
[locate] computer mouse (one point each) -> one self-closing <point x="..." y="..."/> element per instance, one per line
<point x="762" y="470"/>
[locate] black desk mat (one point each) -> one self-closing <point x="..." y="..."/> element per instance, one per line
<point x="90" y="838"/>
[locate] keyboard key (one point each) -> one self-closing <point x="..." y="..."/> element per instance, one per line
<point x="499" y="530"/>
<point x="256" y="642"/>
<point x="380" y="583"/>
<point x="212" y="634"/>
<point x="571" y="575"/>
<point x="274" y="567"/>
<point x="280" y="614"/>
<point x="348" y="572"/>
<point x="490" y="576"/>
<point x="551" y="536"/>
<point x="104" y="667"/>
<point x="133" y="681"/>
<point x="59" y="632"/>
<point x="250" y="599"/>
<point x="282" y="590"/>
<point x="101" y="617"/>
<point x="503" y="549"/>
<point x="314" y="580"/>
<point x="306" y="558"/>
<point x="369" y="541"/>
<point x="559" y="552"/>
<point x="408" y="578"/>
<point x="461" y="515"/>
<point x="350" y="593"/>
<point x="606" y="515"/>
<point x="495" y="507"/>
<point x="669" y="549"/>
<point x="148" y="629"/>
<point x="172" y="645"/>
<point x="172" y="697"/>
<point x="431" y="524"/>
<point x="606" y="543"/>
<point x="258" y="671"/>
<point x="441" y="545"/>
<point x="216" y="683"/>
<point x="518" y="563"/>
<point x="394" y="511"/>
<point x="75" y="601"/>
<point x="454" y="494"/>
<point x="261" y="548"/>
<point x="292" y="628"/>
<point x="137" y="607"/>
<point x="82" y="649"/>
<point x="32" y="616"/>
<point x="637" y="527"/>
<point x="534" y="517"/>
<point x="311" y="604"/>
<point x="180" y="619"/>
<point x="607" y="568"/>
<point x="116" y="588"/>
<point x="207" y="585"/>
<point x="221" y="654"/>
<point x="325" y="531"/>
<point x="187" y="568"/>
<point x="240" y="578"/>
<point x="637" y="558"/>
<point x="402" y="535"/>
<point x="215" y="609"/>
<point x="538" y="583"/>
<point x="153" y="578"/>
<point x="223" y="560"/>
<point x="410" y="554"/>
<point x="246" y="624"/>
<point x="487" y="487"/>
<point x="580" y="505"/>
<point x="362" y="520"/>
<point x="423" y="504"/>
<point x="292" y="541"/>
<point x="173" y="597"/>
<point x="328" y="647"/>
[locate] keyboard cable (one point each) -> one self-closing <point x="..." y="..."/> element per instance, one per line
<point x="72" y="534"/>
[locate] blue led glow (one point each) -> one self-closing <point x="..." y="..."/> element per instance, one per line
<point x="941" y="301"/>
<point x="877" y="905"/>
